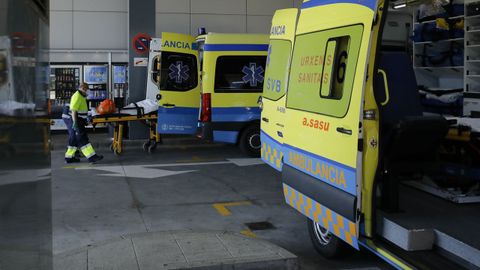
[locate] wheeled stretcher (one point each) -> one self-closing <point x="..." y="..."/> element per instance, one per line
<point x="119" y="120"/>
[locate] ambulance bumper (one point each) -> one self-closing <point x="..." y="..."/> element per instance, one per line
<point x="205" y="131"/>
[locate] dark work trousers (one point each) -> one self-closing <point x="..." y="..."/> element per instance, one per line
<point x="78" y="139"/>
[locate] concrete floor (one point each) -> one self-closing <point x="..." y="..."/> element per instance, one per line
<point x="177" y="188"/>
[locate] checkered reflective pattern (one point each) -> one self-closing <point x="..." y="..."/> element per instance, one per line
<point x="271" y="152"/>
<point x="335" y="223"/>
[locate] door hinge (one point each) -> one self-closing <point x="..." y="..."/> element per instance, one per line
<point x="369" y="115"/>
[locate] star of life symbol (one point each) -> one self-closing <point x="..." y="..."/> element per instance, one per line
<point x="253" y="74"/>
<point x="179" y="72"/>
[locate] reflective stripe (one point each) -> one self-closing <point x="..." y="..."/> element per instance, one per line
<point x="83" y="116"/>
<point x="70" y="152"/>
<point x="88" y="150"/>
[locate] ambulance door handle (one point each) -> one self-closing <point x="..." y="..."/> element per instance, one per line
<point x="168" y="105"/>
<point x="264" y="119"/>
<point x="344" y="130"/>
<point x="385" y="85"/>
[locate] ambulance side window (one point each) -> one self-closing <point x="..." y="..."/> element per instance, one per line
<point x="323" y="70"/>
<point x="240" y="74"/>
<point x="276" y="75"/>
<point x="178" y="71"/>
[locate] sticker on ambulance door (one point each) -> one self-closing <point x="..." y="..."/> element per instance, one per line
<point x="253" y="74"/>
<point x="179" y="72"/>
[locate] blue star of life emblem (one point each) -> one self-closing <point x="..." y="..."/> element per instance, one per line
<point x="179" y="72"/>
<point x="253" y="74"/>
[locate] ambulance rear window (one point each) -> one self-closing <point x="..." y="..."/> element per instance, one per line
<point x="178" y="71"/>
<point x="240" y="74"/>
<point x="277" y="69"/>
<point x="323" y="70"/>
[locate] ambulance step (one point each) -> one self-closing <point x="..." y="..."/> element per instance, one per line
<point x="431" y="243"/>
<point x="457" y="250"/>
<point x="422" y="259"/>
<point x="407" y="239"/>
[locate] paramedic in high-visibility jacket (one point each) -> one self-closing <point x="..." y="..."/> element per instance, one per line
<point x="75" y="117"/>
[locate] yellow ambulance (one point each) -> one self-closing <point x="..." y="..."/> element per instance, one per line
<point x="282" y="36"/>
<point x="232" y="71"/>
<point x="356" y="145"/>
<point x="210" y="85"/>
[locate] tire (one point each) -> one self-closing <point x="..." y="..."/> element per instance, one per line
<point x="250" y="141"/>
<point x="326" y="243"/>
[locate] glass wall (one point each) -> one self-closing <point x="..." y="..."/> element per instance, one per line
<point x="25" y="184"/>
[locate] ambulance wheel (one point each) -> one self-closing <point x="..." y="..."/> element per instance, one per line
<point x="250" y="141"/>
<point x="326" y="243"/>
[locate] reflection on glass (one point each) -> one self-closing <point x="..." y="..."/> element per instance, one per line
<point x="25" y="186"/>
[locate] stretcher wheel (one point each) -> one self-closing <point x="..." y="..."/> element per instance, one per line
<point x="146" y="145"/>
<point x="152" y="147"/>
<point x="117" y="152"/>
<point x="111" y="148"/>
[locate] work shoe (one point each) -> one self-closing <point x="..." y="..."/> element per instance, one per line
<point x="72" y="160"/>
<point x="95" y="158"/>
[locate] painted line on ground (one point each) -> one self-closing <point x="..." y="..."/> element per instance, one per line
<point x="151" y="171"/>
<point x="222" y="207"/>
<point x="248" y="233"/>
<point x="133" y="171"/>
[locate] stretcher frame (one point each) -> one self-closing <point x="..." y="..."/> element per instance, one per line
<point x="120" y="120"/>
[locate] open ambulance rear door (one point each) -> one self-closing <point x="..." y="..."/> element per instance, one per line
<point x="282" y="37"/>
<point x="178" y="83"/>
<point x="322" y="171"/>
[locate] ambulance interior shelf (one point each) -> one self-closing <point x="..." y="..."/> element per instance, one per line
<point x="441" y="100"/>
<point x="438" y="44"/>
<point x="411" y="141"/>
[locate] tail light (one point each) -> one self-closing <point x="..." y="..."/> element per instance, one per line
<point x="206" y="112"/>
